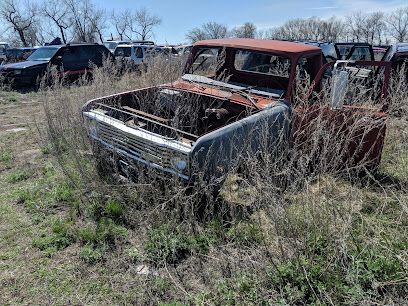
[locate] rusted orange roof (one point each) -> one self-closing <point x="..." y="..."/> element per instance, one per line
<point x="264" y="45"/>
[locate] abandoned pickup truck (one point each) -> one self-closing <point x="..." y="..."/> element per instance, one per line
<point x="234" y="92"/>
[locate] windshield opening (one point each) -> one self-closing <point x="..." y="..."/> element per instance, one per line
<point x="42" y="54"/>
<point x="258" y="72"/>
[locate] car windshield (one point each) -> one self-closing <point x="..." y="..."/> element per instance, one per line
<point x="2" y="49"/>
<point x="42" y="54"/>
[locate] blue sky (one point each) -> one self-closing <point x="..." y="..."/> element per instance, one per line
<point x="178" y="16"/>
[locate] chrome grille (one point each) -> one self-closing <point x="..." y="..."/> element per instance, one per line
<point x="141" y="148"/>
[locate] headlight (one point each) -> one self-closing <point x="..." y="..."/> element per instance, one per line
<point x="179" y="164"/>
<point x="17" y="72"/>
<point x="92" y="127"/>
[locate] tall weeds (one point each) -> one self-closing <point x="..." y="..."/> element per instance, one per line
<point x="296" y="224"/>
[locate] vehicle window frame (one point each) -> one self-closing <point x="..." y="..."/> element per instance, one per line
<point x="289" y="69"/>
<point x="53" y="56"/>
<point x="200" y="51"/>
<point x="358" y="49"/>
<point x="124" y="48"/>
<point x="139" y="56"/>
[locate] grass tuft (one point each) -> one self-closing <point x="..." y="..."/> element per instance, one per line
<point x="19" y="175"/>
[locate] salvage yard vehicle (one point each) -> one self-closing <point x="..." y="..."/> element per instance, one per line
<point x="71" y="61"/>
<point x="355" y="51"/>
<point x="3" y="47"/>
<point x="19" y="54"/>
<point x="112" y="44"/>
<point x="138" y="55"/>
<point x="237" y="96"/>
<point x="398" y="55"/>
<point x="183" y="50"/>
<point x="167" y="50"/>
<point x="330" y="52"/>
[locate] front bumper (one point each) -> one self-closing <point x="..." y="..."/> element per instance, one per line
<point x="8" y="77"/>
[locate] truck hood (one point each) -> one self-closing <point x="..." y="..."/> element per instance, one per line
<point x="217" y="89"/>
<point x="23" y="65"/>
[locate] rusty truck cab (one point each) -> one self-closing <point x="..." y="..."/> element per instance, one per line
<point x="362" y="128"/>
<point x="255" y="62"/>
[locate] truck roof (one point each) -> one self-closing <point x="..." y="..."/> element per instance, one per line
<point x="264" y="45"/>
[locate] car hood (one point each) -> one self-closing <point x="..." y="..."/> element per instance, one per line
<point x="247" y="99"/>
<point x="22" y="65"/>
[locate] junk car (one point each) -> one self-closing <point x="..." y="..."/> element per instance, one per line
<point x="235" y="97"/>
<point x="71" y="60"/>
<point x="3" y="48"/>
<point x="397" y="54"/>
<point x="19" y="54"/>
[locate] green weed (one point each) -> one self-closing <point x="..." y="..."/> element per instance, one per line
<point x="245" y="233"/>
<point x="5" y="156"/>
<point x="60" y="238"/>
<point x="113" y="209"/>
<point x="106" y="232"/>
<point x="18" y="176"/>
<point x="90" y="255"/>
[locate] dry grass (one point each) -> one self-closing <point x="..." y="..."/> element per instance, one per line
<point x="278" y="233"/>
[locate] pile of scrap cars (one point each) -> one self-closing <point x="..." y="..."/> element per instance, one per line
<point x="155" y="127"/>
<point x="27" y="66"/>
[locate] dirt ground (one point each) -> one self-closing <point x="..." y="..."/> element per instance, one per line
<point x="28" y="276"/>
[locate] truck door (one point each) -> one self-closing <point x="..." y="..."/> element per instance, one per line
<point x="72" y="62"/>
<point x="330" y="129"/>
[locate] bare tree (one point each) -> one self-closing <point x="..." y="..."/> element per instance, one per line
<point x="215" y="30"/>
<point x="332" y="29"/>
<point x="247" y="30"/>
<point x="59" y="14"/>
<point x="398" y="24"/>
<point x="374" y="28"/>
<point x="143" y="23"/>
<point x="121" y="21"/>
<point x="355" y="26"/>
<point x="196" y="34"/>
<point x="82" y="14"/>
<point x="98" y="22"/>
<point x="20" y="18"/>
<point x="209" y="30"/>
<point x="308" y="29"/>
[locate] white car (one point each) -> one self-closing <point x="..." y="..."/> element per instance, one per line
<point x="138" y="54"/>
<point x="112" y="44"/>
